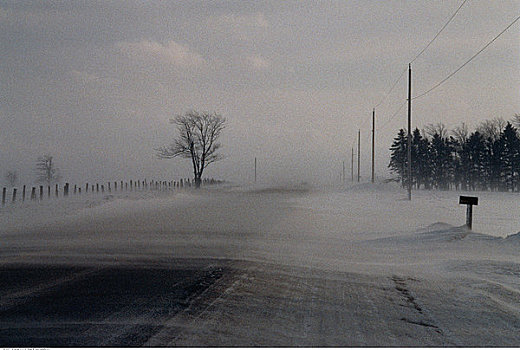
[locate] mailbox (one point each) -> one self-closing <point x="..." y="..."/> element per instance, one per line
<point x="468" y="200"/>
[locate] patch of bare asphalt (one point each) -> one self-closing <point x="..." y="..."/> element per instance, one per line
<point x="112" y="306"/>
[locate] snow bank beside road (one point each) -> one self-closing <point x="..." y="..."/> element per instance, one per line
<point x="384" y="208"/>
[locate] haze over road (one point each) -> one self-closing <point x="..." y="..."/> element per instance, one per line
<point x="287" y="266"/>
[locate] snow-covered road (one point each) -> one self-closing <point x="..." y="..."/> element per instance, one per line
<point x="286" y="266"/>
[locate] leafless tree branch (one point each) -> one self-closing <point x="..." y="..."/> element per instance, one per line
<point x="197" y="140"/>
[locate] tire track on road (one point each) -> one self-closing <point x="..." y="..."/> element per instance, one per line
<point x="193" y="309"/>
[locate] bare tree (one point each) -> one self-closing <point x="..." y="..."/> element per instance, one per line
<point x="461" y="133"/>
<point x="492" y="128"/>
<point x="439" y="128"/>
<point x="516" y="121"/>
<point x="11" y="177"/>
<point x="197" y="140"/>
<point x="46" y="170"/>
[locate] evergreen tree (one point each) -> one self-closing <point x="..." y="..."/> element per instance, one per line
<point x="459" y="172"/>
<point x="493" y="164"/>
<point x="441" y="161"/>
<point x="487" y="159"/>
<point x="510" y="158"/>
<point x="421" y="169"/>
<point x="398" y="157"/>
<point x="475" y="161"/>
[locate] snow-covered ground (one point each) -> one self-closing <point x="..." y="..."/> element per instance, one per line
<point x="413" y="273"/>
<point x="355" y="209"/>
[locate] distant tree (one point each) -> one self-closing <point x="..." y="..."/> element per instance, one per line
<point x="460" y="157"/>
<point x="474" y="162"/>
<point x="493" y="163"/>
<point x="11" y="177"/>
<point x="510" y="157"/>
<point x="460" y="133"/>
<point x="398" y="156"/>
<point x="439" y="128"/>
<point x="491" y="128"/>
<point x="46" y="170"/>
<point x="197" y="140"/>
<point x="459" y="178"/>
<point x="421" y="167"/>
<point x="487" y="159"/>
<point x="441" y="161"/>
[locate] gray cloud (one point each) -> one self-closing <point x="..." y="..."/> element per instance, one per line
<point x="94" y="83"/>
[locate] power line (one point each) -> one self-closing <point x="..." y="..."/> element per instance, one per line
<point x="419" y="54"/>
<point x="440" y="31"/>
<point x="392" y="88"/>
<point x="393" y="115"/>
<point x="468" y="61"/>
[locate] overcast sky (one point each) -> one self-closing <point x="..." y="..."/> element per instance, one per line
<point x="94" y="83"/>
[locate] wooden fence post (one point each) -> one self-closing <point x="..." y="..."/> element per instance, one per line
<point x="14" y="195"/>
<point x="23" y="194"/>
<point x="57" y="191"/>
<point x="86" y="187"/>
<point x="3" y="195"/>
<point x="49" y="191"/>
<point x="41" y="192"/>
<point x="102" y="188"/>
<point x="75" y="189"/>
<point x="66" y="189"/>
<point x="33" y="193"/>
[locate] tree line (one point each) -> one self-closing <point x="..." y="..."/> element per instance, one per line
<point x="487" y="159"/>
<point x="197" y="140"/>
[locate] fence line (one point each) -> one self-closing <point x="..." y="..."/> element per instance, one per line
<point x="124" y="186"/>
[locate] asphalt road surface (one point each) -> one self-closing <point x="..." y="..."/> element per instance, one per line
<point x="229" y="303"/>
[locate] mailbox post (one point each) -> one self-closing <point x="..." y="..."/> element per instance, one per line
<point x="470" y="202"/>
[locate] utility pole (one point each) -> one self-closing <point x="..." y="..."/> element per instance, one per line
<point x="352" y="165"/>
<point x="255" y="170"/>
<point x="409" y="143"/>
<point x="343" y="177"/>
<point x="358" y="153"/>
<point x="373" y="140"/>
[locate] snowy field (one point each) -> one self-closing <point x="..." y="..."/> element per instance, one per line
<point x="279" y="266"/>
